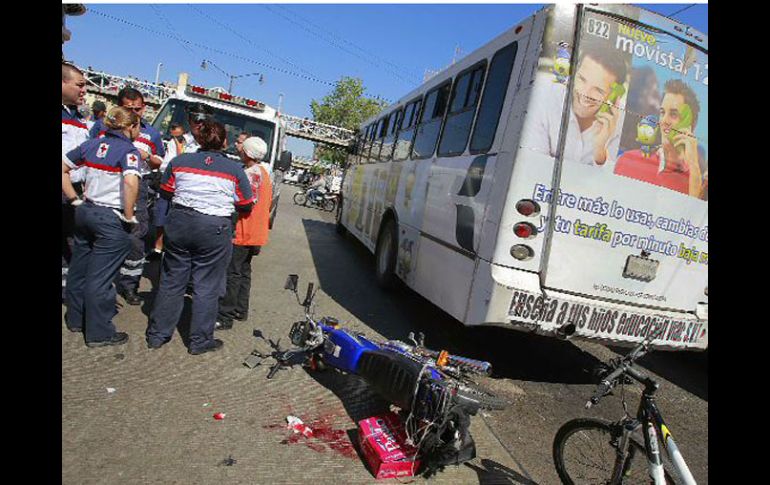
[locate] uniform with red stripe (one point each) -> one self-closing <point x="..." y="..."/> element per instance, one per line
<point x="105" y="161"/>
<point x="74" y="131"/>
<point x="149" y="140"/>
<point x="208" y="182"/>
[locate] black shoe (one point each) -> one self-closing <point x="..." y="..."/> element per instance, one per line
<point x="155" y="345"/>
<point x="215" y="345"/>
<point x="241" y="317"/>
<point x="131" y="297"/>
<point x="223" y="325"/>
<point x="75" y="330"/>
<point x="118" y="339"/>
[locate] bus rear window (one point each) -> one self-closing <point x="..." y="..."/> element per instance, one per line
<point x="492" y="100"/>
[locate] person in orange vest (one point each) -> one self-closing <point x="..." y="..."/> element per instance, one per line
<point x="251" y="233"/>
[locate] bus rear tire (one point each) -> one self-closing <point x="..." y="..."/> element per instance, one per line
<point x="385" y="256"/>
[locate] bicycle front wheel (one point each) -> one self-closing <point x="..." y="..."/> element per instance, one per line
<point x="585" y="451"/>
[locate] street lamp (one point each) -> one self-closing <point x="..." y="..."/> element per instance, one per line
<point x="157" y="73"/>
<point x="232" y="77"/>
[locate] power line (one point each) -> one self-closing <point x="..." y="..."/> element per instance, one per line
<point x="209" y="48"/>
<point x="333" y="43"/>
<point x="218" y="51"/>
<point x="170" y="26"/>
<point x="246" y="39"/>
<point x="681" y="10"/>
<point x="342" y="39"/>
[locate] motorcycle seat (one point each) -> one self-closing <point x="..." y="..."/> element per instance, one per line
<point x="391" y="375"/>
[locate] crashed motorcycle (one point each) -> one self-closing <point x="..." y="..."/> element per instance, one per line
<point x="326" y="201"/>
<point x="434" y="390"/>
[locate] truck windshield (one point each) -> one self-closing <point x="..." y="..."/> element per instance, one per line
<point x="175" y="111"/>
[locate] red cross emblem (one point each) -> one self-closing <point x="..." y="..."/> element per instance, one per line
<point x="208" y="161"/>
<point x="102" y="151"/>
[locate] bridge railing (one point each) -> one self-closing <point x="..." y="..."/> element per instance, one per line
<point x="110" y="83"/>
<point x="320" y="132"/>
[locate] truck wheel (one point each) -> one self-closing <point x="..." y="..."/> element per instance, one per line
<point x="385" y="256"/>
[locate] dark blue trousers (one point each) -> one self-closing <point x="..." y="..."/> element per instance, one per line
<point x="133" y="267"/>
<point x="198" y="248"/>
<point x="100" y="244"/>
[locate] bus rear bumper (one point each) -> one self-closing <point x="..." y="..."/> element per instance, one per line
<point x="514" y="299"/>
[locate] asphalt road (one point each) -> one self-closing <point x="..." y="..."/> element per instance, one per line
<point x="133" y="415"/>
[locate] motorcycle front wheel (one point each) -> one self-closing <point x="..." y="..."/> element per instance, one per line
<point x="300" y="198"/>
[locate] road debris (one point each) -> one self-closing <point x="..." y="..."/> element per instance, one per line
<point x="220" y="416"/>
<point x="296" y="424"/>
<point x="229" y="461"/>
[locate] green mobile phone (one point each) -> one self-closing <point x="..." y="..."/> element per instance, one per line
<point x="618" y="90"/>
<point x="685" y="122"/>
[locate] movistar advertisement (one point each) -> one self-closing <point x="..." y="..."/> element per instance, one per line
<point x="631" y="221"/>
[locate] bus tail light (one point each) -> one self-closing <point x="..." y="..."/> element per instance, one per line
<point x="527" y="207"/>
<point x="524" y="230"/>
<point x="522" y="252"/>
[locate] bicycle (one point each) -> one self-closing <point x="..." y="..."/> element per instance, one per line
<point x="435" y="389"/>
<point x="577" y="441"/>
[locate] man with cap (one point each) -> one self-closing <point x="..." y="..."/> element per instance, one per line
<point x="251" y="232"/>
<point x="150" y="146"/>
<point x="74" y="131"/>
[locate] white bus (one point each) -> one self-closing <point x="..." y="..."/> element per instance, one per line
<point x="555" y="180"/>
<point x="238" y="115"/>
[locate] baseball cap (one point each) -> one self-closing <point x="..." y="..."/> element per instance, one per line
<point x="255" y="148"/>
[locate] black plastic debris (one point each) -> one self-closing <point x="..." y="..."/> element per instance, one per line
<point x="229" y="461"/>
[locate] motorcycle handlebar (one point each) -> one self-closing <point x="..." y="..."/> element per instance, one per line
<point x="309" y="295"/>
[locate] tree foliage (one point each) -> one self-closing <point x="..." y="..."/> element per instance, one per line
<point x="345" y="107"/>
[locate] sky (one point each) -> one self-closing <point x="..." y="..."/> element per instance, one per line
<point x="300" y="49"/>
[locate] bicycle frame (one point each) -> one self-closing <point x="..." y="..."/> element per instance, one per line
<point x="653" y="428"/>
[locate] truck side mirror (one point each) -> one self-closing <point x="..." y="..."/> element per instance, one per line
<point x="284" y="161"/>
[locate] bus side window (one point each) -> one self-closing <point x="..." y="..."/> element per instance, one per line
<point x="367" y="144"/>
<point x="373" y="150"/>
<point x="430" y="121"/>
<point x="387" y="144"/>
<point x="406" y="133"/>
<point x="382" y="129"/>
<point x="492" y="100"/>
<point x="465" y="97"/>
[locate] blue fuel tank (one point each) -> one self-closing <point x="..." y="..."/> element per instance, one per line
<point x="343" y="349"/>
